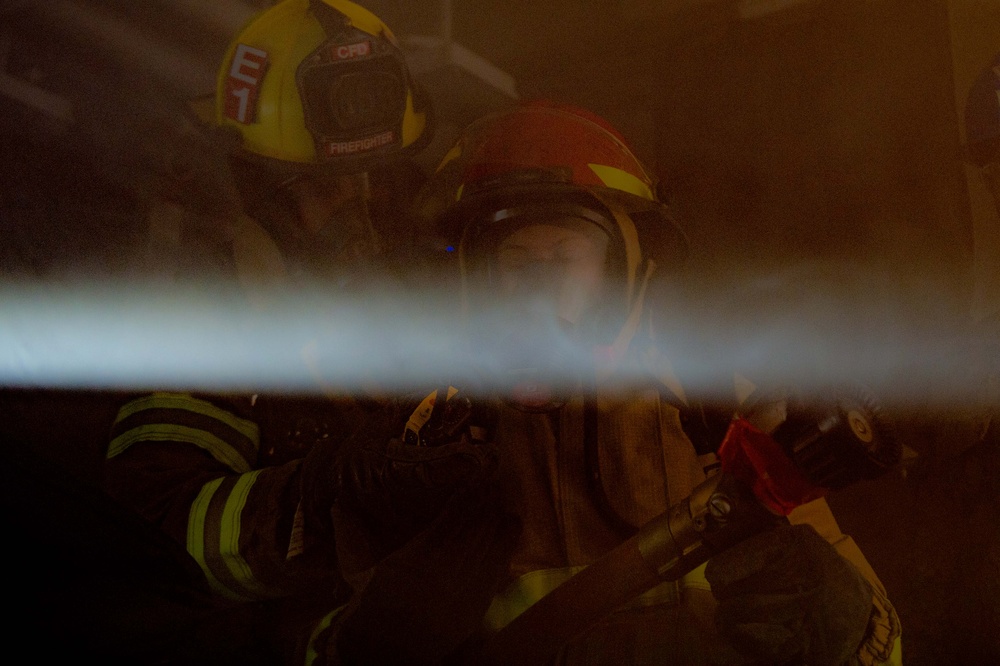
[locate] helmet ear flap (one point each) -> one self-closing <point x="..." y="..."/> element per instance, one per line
<point x="664" y="193"/>
<point x="661" y="238"/>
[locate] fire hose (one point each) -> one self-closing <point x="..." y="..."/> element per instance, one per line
<point x="820" y="447"/>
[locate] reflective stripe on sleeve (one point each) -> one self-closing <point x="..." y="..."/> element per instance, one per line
<point x="311" y="652"/>
<point x="183" y="401"/>
<point x="217" y="448"/>
<point x="196" y="538"/>
<point x="164" y="417"/>
<point x="214" y="527"/>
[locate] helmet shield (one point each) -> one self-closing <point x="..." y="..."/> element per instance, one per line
<point x="320" y="221"/>
<point x="320" y="82"/>
<point x="539" y="296"/>
<point x="354" y="95"/>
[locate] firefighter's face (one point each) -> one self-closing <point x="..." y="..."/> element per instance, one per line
<point x="333" y="205"/>
<point x="558" y="263"/>
<point x="318" y="198"/>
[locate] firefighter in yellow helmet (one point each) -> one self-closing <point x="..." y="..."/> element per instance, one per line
<point x="314" y="104"/>
<point x="560" y="236"/>
<point x="311" y="129"/>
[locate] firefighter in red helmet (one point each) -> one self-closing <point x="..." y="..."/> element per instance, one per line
<point x="561" y="239"/>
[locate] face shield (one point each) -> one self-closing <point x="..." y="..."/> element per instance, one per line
<point x="541" y="163"/>
<point x="354" y="90"/>
<point x="320" y="222"/>
<point x="537" y="299"/>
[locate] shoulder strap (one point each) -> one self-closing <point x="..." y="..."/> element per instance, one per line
<point x="705" y="421"/>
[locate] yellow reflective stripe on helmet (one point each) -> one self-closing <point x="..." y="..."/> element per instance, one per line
<point x="454" y="153"/>
<point x="532" y="586"/>
<point x="217" y="448"/>
<point x="414" y="123"/>
<point x="622" y="180"/>
<point x="196" y="538"/>
<point x="248" y="429"/>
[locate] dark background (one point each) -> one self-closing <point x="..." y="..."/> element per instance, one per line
<point x="813" y="154"/>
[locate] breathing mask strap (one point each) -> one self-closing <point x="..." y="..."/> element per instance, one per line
<point x="595" y="482"/>
<point x="610" y="356"/>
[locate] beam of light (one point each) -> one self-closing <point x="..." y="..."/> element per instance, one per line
<point x="95" y="338"/>
<point x="224" y="16"/>
<point x="191" y="73"/>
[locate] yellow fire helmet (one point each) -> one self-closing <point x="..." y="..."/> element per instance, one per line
<point x="320" y="82"/>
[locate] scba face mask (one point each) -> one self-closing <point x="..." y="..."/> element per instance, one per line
<point x="543" y="289"/>
<point x="528" y="165"/>
<point x="535" y="358"/>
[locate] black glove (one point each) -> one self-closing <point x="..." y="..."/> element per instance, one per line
<point x="787" y="596"/>
<point x="386" y="491"/>
<point x="426" y="600"/>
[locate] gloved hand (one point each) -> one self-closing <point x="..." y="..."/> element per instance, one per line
<point x="189" y="164"/>
<point x="426" y="600"/>
<point x="387" y="491"/>
<point x="787" y="596"/>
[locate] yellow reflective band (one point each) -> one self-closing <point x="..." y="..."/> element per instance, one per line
<point x="248" y="429"/>
<point x="311" y="652"/>
<point x="633" y="251"/>
<point x="452" y="154"/>
<point x="532" y="586"/>
<point x="196" y="538"/>
<point x="217" y="448"/>
<point x="229" y="535"/>
<point x="414" y="123"/>
<point x="695" y="579"/>
<point x="622" y="180"/>
<point x="896" y="657"/>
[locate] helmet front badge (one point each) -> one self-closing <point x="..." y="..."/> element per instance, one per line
<point x="243" y="83"/>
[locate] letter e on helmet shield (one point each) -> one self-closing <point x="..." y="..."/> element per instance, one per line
<point x="246" y="72"/>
